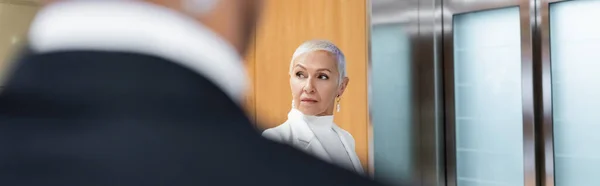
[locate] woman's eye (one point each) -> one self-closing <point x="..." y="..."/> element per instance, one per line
<point x="323" y="77"/>
<point x="300" y="75"/>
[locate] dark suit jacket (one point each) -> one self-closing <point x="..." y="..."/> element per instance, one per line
<point x="107" y="118"/>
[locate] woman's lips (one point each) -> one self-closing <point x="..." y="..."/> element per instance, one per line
<point x="307" y="100"/>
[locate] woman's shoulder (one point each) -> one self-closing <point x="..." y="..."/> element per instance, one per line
<point x="345" y="132"/>
<point x="277" y="133"/>
<point x="280" y="127"/>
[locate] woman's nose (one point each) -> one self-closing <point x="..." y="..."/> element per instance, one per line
<point x="308" y="87"/>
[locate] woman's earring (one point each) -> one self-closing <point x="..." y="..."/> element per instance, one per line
<point x="293" y="105"/>
<point x="338" y="104"/>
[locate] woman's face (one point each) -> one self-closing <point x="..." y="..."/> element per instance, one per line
<point x="314" y="80"/>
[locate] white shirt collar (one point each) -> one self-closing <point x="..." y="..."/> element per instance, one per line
<point x="138" y="27"/>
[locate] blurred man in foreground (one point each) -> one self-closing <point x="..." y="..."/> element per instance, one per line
<point x="142" y="93"/>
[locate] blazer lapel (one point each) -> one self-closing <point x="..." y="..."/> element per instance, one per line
<point x="303" y="136"/>
<point x="349" y="149"/>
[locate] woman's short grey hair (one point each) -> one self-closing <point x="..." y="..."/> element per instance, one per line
<point x="322" y="45"/>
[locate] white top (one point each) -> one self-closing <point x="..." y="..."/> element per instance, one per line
<point x="139" y="27"/>
<point x="319" y="136"/>
<point x="320" y="122"/>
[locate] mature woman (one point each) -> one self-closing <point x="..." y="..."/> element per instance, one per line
<point x="317" y="80"/>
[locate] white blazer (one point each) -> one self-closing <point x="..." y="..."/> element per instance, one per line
<point x="296" y="132"/>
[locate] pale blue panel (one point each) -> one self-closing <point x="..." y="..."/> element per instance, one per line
<point x="391" y="103"/>
<point x="575" y="57"/>
<point x="488" y="102"/>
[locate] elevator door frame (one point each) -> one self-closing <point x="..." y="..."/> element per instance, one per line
<point x="451" y="8"/>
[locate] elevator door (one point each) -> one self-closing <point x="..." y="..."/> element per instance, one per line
<point x="489" y="93"/>
<point x="521" y="87"/>
<point x="571" y="37"/>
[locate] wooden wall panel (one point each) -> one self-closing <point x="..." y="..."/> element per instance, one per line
<point x="249" y="102"/>
<point x="14" y="22"/>
<point x="288" y="23"/>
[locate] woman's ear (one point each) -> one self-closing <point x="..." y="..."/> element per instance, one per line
<point x="343" y="86"/>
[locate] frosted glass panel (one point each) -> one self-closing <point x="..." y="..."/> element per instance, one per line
<point x="575" y="56"/>
<point x="487" y="77"/>
<point x="391" y="103"/>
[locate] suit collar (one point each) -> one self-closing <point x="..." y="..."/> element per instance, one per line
<point x="111" y="85"/>
<point x="143" y="28"/>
